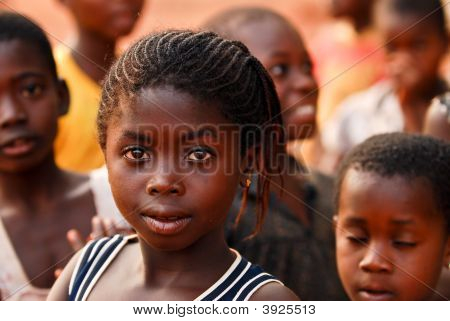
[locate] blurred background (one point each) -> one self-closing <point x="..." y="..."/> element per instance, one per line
<point x="161" y="14"/>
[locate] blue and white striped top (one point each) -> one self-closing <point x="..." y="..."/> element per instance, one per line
<point x="238" y="283"/>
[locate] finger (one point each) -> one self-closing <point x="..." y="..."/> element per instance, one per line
<point x="110" y="227"/>
<point x="57" y="273"/>
<point x="75" y="239"/>
<point x="98" y="230"/>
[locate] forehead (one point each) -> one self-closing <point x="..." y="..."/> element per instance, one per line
<point x="165" y="109"/>
<point x="18" y="56"/>
<point x="267" y="36"/>
<point x="374" y="197"/>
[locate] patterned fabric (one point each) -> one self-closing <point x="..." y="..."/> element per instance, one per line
<point x="238" y="283"/>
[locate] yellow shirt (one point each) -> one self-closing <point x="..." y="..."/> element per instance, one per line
<point x="76" y="146"/>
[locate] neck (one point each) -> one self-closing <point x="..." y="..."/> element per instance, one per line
<point x="210" y="256"/>
<point x="31" y="186"/>
<point x="421" y="96"/>
<point x="94" y="54"/>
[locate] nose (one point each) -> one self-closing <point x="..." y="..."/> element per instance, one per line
<point x="11" y="113"/>
<point x="164" y="185"/>
<point x="375" y="260"/>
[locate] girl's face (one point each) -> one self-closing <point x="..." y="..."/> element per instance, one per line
<point x="30" y="103"/>
<point x="391" y="241"/>
<point x="174" y="165"/>
<point x="283" y="54"/>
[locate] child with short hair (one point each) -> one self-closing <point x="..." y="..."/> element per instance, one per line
<point x="99" y="25"/>
<point x="298" y="228"/>
<point x="39" y="202"/>
<point x="416" y="41"/>
<point x="181" y="126"/>
<point x="393" y="218"/>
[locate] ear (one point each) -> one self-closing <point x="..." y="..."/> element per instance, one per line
<point x="64" y="97"/>
<point x="247" y="164"/>
<point x="335" y="222"/>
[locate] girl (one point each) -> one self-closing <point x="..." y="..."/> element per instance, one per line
<point x="180" y="126"/>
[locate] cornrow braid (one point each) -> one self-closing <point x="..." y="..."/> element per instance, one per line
<point x="211" y="69"/>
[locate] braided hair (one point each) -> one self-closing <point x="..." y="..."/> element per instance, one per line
<point x="211" y="69"/>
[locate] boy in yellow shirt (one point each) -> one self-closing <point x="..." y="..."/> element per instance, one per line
<point x="99" y="25"/>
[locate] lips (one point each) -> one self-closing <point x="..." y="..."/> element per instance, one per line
<point x="375" y="293"/>
<point x="166" y="223"/>
<point x="18" y="146"/>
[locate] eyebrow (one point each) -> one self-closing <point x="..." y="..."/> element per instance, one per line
<point x="204" y="131"/>
<point x="355" y="220"/>
<point x="402" y="222"/>
<point x="139" y="137"/>
<point x="27" y="74"/>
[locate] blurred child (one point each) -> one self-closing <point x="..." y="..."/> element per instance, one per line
<point x="182" y="124"/>
<point x="355" y="63"/>
<point x="39" y="202"/>
<point x="393" y="218"/>
<point x="295" y="244"/>
<point x="437" y="119"/>
<point x="99" y="25"/>
<point x="416" y="42"/>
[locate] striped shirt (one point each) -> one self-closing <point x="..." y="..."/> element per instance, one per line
<point x="238" y="283"/>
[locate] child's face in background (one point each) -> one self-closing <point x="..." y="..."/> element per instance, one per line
<point x="413" y="54"/>
<point x="30" y="102"/>
<point x="282" y="52"/>
<point x="173" y="173"/>
<point x="109" y="19"/>
<point x="391" y="241"/>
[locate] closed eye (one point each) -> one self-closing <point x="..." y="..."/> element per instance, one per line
<point x="404" y="244"/>
<point x="357" y="240"/>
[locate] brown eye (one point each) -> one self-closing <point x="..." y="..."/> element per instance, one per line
<point x="31" y="90"/>
<point x="199" y="155"/>
<point x="136" y="153"/>
<point x="278" y="70"/>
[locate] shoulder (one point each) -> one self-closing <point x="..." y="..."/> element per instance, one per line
<point x="60" y="289"/>
<point x="273" y="291"/>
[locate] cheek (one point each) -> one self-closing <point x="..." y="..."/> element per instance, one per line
<point x="347" y="257"/>
<point x="281" y="88"/>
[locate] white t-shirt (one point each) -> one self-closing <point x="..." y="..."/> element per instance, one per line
<point x="362" y="115"/>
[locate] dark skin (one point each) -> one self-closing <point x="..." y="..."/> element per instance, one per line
<point x="281" y="50"/>
<point x="39" y="202"/>
<point x="99" y="24"/>
<point x="359" y="12"/>
<point x="166" y="170"/>
<point x="413" y="58"/>
<point x="436" y="121"/>
<point x="386" y="228"/>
